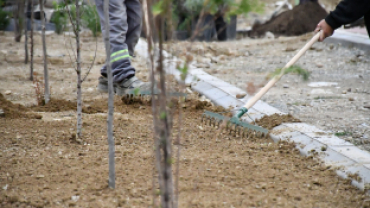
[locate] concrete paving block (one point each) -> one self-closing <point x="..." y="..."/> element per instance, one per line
<point x="214" y="94"/>
<point x="353" y="153"/>
<point x="205" y="77"/>
<point x="228" y="101"/>
<point x="266" y="108"/>
<point x="201" y="86"/>
<point x="196" y="71"/>
<point x="361" y="170"/>
<point x="367" y="166"/>
<point x="347" y="39"/>
<point x="289" y="136"/>
<point x="219" y="83"/>
<point x="332" y="157"/>
<point x="190" y="79"/>
<point x="318" y="134"/>
<point x="232" y="91"/>
<point x="304" y="128"/>
<point x="252" y="116"/>
<point x="310" y="148"/>
<point x="299" y="138"/>
<point x="332" y="140"/>
<point x="283" y="131"/>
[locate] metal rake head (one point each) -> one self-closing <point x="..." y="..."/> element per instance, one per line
<point x="234" y="125"/>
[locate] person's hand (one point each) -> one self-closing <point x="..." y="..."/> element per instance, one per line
<point x="326" y="30"/>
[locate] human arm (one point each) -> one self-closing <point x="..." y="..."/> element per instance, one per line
<point x="346" y="12"/>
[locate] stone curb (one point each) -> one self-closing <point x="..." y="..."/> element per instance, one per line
<point x="350" y="39"/>
<point x="310" y="140"/>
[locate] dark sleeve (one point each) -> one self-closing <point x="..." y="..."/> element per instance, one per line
<point x="347" y="11"/>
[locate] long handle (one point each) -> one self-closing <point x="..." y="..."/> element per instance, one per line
<point x="272" y="82"/>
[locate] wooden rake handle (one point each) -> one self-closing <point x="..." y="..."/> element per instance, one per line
<point x="276" y="78"/>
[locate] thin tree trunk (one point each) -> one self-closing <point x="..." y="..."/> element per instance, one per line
<point x="32" y="43"/>
<point x="78" y="70"/>
<point x="25" y="37"/>
<point x="46" y="73"/>
<point x="150" y="64"/>
<point x="18" y="20"/>
<point x="112" y="172"/>
<point x="164" y="133"/>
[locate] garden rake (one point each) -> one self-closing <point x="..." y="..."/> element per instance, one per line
<point x="245" y="129"/>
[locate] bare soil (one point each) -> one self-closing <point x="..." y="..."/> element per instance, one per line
<point x="43" y="166"/>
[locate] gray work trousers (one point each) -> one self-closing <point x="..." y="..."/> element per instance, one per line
<point x="125" y="28"/>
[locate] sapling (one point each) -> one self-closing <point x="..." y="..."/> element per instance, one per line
<point x="26" y="39"/>
<point x="112" y="172"/>
<point x="150" y="63"/>
<point x="32" y="42"/>
<point x="75" y="18"/>
<point x="46" y="72"/>
<point x="161" y="117"/>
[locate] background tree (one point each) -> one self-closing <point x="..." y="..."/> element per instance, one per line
<point x="46" y="71"/>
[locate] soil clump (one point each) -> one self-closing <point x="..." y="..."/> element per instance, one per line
<point x="269" y="122"/>
<point x="58" y="105"/>
<point x="14" y="111"/>
<point x="300" y="20"/>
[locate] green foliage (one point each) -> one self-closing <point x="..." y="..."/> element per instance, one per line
<point x="293" y="69"/>
<point x="60" y="17"/>
<point x="184" y="71"/>
<point x="4" y="18"/>
<point x="345" y="133"/>
<point x="136" y="91"/>
<point x="163" y="115"/>
<point x="88" y="13"/>
<point x="91" y="20"/>
<point x="230" y="7"/>
<point x="158" y="8"/>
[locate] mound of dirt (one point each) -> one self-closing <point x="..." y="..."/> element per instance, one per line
<point x="14" y="111"/>
<point x="300" y="20"/>
<point x="269" y="122"/>
<point x="57" y="105"/>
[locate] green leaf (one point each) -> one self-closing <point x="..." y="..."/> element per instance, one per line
<point x="136" y="91"/>
<point x="293" y="69"/>
<point x="158" y="8"/>
<point x="163" y="115"/>
<point x="184" y="71"/>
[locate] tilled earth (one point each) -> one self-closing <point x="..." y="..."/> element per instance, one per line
<point x="42" y="165"/>
<point x="341" y="104"/>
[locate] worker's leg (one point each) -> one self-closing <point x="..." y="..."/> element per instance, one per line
<point x="123" y="73"/>
<point x="120" y="58"/>
<point x="134" y="19"/>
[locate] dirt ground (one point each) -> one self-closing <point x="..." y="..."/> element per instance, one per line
<point x="42" y="165"/>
